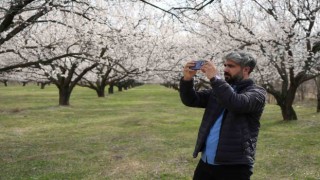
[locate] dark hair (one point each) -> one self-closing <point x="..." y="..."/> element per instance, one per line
<point x="242" y="58"/>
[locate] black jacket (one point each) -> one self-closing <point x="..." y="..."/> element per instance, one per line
<point x="240" y="124"/>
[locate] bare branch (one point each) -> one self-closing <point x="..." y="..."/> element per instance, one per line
<point x="197" y="7"/>
<point x="45" y="61"/>
<point x="166" y="11"/>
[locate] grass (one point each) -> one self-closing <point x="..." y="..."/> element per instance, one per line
<point x="142" y="133"/>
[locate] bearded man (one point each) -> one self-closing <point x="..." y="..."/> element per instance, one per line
<point x="229" y="129"/>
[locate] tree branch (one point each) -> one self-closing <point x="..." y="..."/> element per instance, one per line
<point x="48" y="61"/>
<point x="197" y="7"/>
<point x="23" y="25"/>
<point x="15" y="9"/>
<point x="166" y="11"/>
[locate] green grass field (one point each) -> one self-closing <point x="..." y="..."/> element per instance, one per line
<point x="142" y="133"/>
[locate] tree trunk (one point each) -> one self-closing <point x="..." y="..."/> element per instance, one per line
<point x="100" y="91"/>
<point x="110" y="90"/>
<point x="43" y="85"/>
<point x="288" y="113"/>
<point x="64" y="96"/>
<point x="5" y="83"/>
<point x="317" y="81"/>
<point x="318" y="102"/>
<point x="119" y="88"/>
<point x="286" y="104"/>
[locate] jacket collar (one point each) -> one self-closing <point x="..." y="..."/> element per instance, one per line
<point x="239" y="86"/>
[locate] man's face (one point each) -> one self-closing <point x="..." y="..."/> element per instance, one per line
<point x="233" y="72"/>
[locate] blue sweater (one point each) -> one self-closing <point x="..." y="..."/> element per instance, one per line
<point x="209" y="152"/>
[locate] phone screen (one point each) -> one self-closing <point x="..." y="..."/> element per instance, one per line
<point x="198" y="65"/>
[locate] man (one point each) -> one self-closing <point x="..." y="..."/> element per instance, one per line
<point x="230" y="125"/>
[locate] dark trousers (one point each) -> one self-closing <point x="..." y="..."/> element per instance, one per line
<point x="206" y="171"/>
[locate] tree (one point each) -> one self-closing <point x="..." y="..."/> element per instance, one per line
<point x="21" y="16"/>
<point x="282" y="34"/>
<point x="126" y="51"/>
<point x="64" y="58"/>
<point x="66" y="72"/>
<point x="71" y="52"/>
<point x="104" y="75"/>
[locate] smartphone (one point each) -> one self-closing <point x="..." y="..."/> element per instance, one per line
<point x="198" y="64"/>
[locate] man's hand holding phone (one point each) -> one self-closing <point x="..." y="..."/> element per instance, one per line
<point x="191" y="68"/>
<point x="209" y="69"/>
<point x="188" y="72"/>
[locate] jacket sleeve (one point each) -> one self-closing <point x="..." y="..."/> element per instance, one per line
<point x="192" y="98"/>
<point x="251" y="100"/>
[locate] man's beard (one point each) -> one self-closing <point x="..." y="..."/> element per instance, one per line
<point x="233" y="79"/>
